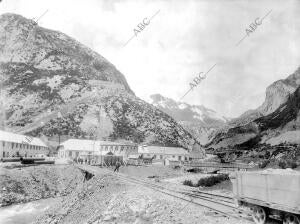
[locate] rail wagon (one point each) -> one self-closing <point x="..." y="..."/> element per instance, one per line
<point x="269" y="195"/>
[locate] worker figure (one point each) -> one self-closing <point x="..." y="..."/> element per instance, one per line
<point x="118" y="164"/>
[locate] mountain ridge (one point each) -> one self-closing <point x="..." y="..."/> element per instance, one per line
<point x="53" y="85"/>
<point x="278" y="115"/>
<point x="197" y="119"/>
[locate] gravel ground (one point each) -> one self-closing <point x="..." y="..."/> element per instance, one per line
<point x="153" y="170"/>
<point x="19" y="184"/>
<point x="174" y="178"/>
<point x="105" y="199"/>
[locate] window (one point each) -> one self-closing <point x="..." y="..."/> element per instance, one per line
<point x="70" y="153"/>
<point x="3" y="143"/>
<point x="122" y="148"/>
<point x="161" y="157"/>
<point x="173" y="156"/>
<point x="116" y="147"/>
<point x="77" y="154"/>
<point x="179" y="157"/>
<point x="12" y="145"/>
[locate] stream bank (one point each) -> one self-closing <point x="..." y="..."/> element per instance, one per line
<point x="22" y="184"/>
<point x="27" y="212"/>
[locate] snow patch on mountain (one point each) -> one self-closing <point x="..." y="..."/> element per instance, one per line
<point x="197" y="119"/>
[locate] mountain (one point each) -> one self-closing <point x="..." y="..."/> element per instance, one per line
<point x="197" y="119"/>
<point x="276" y="121"/>
<point x="53" y="85"/>
<point x="276" y="94"/>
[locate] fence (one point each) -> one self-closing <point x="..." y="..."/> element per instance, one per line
<point x="106" y="160"/>
<point x="222" y="166"/>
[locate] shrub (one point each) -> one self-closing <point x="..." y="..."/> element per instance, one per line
<point x="194" y="170"/>
<point x="287" y="164"/>
<point x="263" y="164"/>
<point x="212" y="180"/>
<point x="282" y="164"/>
<point x="293" y="165"/>
<point x="207" y="181"/>
<point x="188" y="183"/>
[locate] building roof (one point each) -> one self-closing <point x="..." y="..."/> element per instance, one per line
<point x="17" y="138"/>
<point x="87" y="145"/>
<point x="162" y="150"/>
<point x="134" y="156"/>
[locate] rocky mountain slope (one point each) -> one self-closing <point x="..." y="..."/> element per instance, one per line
<point x="276" y="94"/>
<point x="51" y="84"/>
<point x="280" y="126"/>
<point x="197" y="119"/>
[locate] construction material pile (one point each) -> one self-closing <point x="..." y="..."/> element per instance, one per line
<point x="24" y="184"/>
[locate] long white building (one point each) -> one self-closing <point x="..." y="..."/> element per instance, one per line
<point x="14" y="145"/>
<point x="75" y="148"/>
<point x="161" y="152"/>
<point x="170" y="153"/>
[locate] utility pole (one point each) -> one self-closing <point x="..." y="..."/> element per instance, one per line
<point x="99" y="132"/>
<point x="2" y="105"/>
<point x="59" y="131"/>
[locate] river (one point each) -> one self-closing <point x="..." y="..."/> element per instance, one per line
<point x="27" y="212"/>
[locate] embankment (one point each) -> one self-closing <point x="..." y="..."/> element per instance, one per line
<point x="23" y="184"/>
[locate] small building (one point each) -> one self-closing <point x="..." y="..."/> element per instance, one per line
<point x="16" y="145"/>
<point x="162" y="153"/>
<point x="90" y="149"/>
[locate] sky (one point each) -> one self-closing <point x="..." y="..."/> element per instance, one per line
<point x="184" y="38"/>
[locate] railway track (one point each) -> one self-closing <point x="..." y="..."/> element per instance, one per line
<point x="220" y="204"/>
<point x="224" y="198"/>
